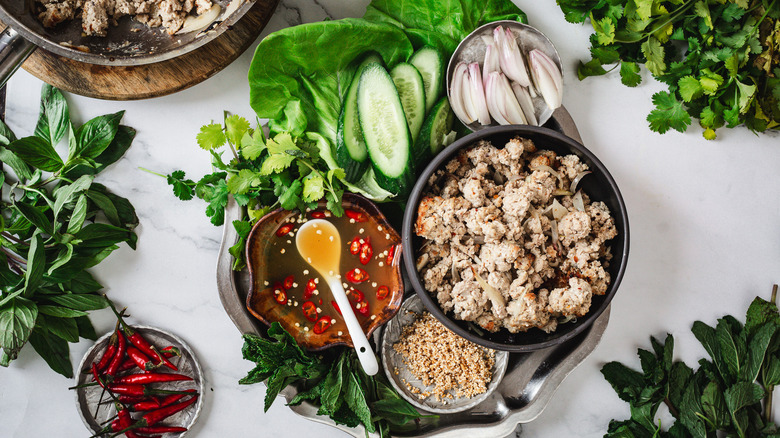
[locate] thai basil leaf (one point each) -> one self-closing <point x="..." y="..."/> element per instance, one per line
<point x="17" y="319"/>
<point x="64" y="328"/>
<point x="86" y="329"/>
<point x="6" y="135"/>
<point x="80" y="301"/>
<point x="54" y="117"/>
<point x="20" y="168"/>
<point x="103" y="235"/>
<point x="60" y="312"/>
<point x="66" y="193"/>
<point x="37" y="153"/>
<point x="36" y="265"/>
<point x="54" y="350"/>
<point x="78" y="216"/>
<point x="96" y="135"/>
<point x="35" y="215"/>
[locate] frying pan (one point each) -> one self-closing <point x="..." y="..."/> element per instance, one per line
<point x="127" y="44"/>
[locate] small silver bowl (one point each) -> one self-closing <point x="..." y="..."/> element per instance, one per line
<point x="472" y="49"/>
<point x="392" y="361"/>
<point x="87" y="398"/>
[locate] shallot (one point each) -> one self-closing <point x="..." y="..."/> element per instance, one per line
<point x="547" y="77"/>
<point x="510" y="59"/>
<point x="478" y="94"/>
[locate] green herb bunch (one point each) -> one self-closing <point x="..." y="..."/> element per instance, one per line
<point x="261" y="175"/>
<point x="335" y="382"/>
<point x="720" y="58"/>
<point x="55" y="223"/>
<point x="730" y="394"/>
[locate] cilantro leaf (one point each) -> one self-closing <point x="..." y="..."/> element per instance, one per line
<point x="313" y="187"/>
<point x="690" y="88"/>
<point x="605" y="30"/>
<point x="211" y="136"/>
<point x="235" y="128"/>
<point x="668" y="113"/>
<point x="629" y="74"/>
<point x="654" y="52"/>
<point x="252" y="145"/>
<point x="182" y="188"/>
<point x="276" y="163"/>
<point x="241" y="182"/>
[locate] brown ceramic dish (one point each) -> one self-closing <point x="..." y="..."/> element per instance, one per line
<point x="271" y="258"/>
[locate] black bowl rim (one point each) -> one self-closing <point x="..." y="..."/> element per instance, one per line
<point x="410" y="213"/>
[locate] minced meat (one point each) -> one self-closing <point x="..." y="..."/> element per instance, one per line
<point x="487" y="218"/>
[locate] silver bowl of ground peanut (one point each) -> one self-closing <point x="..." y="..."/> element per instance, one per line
<point x="433" y="368"/>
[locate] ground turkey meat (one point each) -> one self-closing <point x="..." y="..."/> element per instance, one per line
<point x="489" y="217"/>
<point x="97" y="15"/>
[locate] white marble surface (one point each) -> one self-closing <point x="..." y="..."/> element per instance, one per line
<point x="704" y="241"/>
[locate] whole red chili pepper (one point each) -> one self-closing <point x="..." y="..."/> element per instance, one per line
<point x="154" y="417"/>
<point x="171" y="399"/>
<point x="141" y="360"/>
<point x="138" y="390"/>
<point x="161" y="429"/>
<point x="170" y="351"/>
<point x="142" y="344"/>
<point x="125" y="421"/>
<point x="96" y="376"/>
<point x="148" y="405"/>
<point x="132" y="398"/>
<point x="147" y="378"/>
<point x="108" y="354"/>
<point x="119" y="356"/>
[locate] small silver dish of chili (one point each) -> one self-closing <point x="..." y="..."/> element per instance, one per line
<point x="139" y="380"/>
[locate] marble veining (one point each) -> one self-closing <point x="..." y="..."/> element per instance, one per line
<point x="703" y="219"/>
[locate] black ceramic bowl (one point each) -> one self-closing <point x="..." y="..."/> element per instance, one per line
<point x="599" y="186"/>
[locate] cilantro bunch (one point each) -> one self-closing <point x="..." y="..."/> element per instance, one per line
<point x="719" y="58"/>
<point x="56" y="222"/>
<point x="334" y="381"/>
<point x="730" y="394"/>
<point x="261" y="174"/>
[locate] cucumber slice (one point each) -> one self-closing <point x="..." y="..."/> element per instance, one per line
<point x="385" y="132"/>
<point x="430" y="63"/>
<point x="409" y="84"/>
<point x="435" y="130"/>
<point x="351" y="153"/>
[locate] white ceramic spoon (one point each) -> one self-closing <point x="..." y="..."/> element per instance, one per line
<point x="319" y="243"/>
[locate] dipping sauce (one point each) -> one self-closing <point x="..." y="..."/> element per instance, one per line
<point x="291" y="291"/>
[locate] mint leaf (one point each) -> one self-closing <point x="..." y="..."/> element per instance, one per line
<point x="211" y="136"/>
<point x="668" y="113"/>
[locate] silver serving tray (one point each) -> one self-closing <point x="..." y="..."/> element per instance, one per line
<point x="528" y="385"/>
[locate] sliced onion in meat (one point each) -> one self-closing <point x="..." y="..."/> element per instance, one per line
<point x="551" y="170"/>
<point x="556" y="210"/>
<point x="579" y="204"/>
<point x="494" y="295"/>
<point x="454" y="273"/>
<point x="577" y="180"/>
<point x="554" y="226"/>
<point x="561" y="192"/>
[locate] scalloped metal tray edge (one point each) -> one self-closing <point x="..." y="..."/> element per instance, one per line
<point x="530" y="381"/>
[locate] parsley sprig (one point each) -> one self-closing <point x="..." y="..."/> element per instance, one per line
<point x="730" y="394"/>
<point x="56" y="222"/>
<point x="719" y="58"/>
<point x="260" y="173"/>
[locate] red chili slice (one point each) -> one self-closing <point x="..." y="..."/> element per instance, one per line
<point x="335" y="306"/>
<point x="308" y="291"/>
<point x="362" y="308"/>
<point x="284" y="229"/>
<point x="280" y="296"/>
<point x="356" y="296"/>
<point x="320" y="301"/>
<point x="317" y="214"/>
<point x="356" y="215"/>
<point x="309" y="311"/>
<point x="366" y="252"/>
<point x="382" y="292"/>
<point x="390" y="255"/>
<point x="288" y="282"/>
<point x="357" y="275"/>
<point x="354" y="246"/>
<point x="321" y="325"/>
